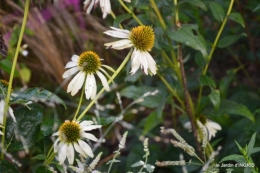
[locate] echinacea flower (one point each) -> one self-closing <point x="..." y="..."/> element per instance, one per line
<point x="104" y="5"/>
<point x="70" y="137"/>
<point x="87" y="64"/>
<point x="141" y="38"/>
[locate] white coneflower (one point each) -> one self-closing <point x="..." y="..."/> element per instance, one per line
<point x="87" y="64"/>
<point x="212" y="128"/>
<point x="70" y="137"/>
<point x="142" y="39"/>
<point x="104" y="5"/>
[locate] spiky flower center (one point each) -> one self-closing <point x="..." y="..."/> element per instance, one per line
<point x="4" y="83"/>
<point x="89" y="62"/>
<point x="69" y="132"/>
<point x="142" y="38"/>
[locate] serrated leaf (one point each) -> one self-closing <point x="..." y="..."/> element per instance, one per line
<point x="230" y="107"/>
<point x="39" y="157"/>
<point x="234" y="157"/>
<point x="149" y="168"/>
<point x="35" y="95"/>
<point x="237" y="18"/>
<point x="45" y="129"/>
<point x="217" y="11"/>
<point x="189" y="35"/>
<point x="251" y="144"/>
<point x="121" y="18"/>
<point x="257" y="8"/>
<point x="228" y="40"/>
<point x="135" y="93"/>
<point x="206" y="80"/>
<point x="151" y="121"/>
<point x="7" y="167"/>
<point x="26" y="128"/>
<point x="197" y="3"/>
<point x="215" y="98"/>
<point x="139" y="163"/>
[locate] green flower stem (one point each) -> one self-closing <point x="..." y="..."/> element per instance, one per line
<point x="50" y="158"/>
<point x="214" y="47"/>
<point x="174" y="93"/>
<point x="26" y="10"/>
<point x="176" y="12"/>
<point x="114" y="17"/>
<point x="80" y="101"/>
<point x="109" y="81"/>
<point x="130" y="12"/>
<point x="111" y="163"/>
<point x="154" y="6"/>
<point x="145" y="162"/>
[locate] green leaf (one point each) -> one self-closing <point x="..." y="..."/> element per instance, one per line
<point x="254" y="150"/>
<point x="239" y="147"/>
<point x="206" y="80"/>
<point x="102" y="120"/>
<point x="257" y="8"/>
<point x="215" y="98"/>
<point x="42" y="169"/>
<point x="230" y="107"/>
<point x="189" y="35"/>
<point x="135" y="93"/>
<point x="151" y="121"/>
<point x="234" y="157"/>
<point x="121" y="18"/>
<point x="197" y="3"/>
<point x="7" y="167"/>
<point x="26" y="128"/>
<point x="39" y="157"/>
<point x="45" y="129"/>
<point x="251" y="144"/>
<point x="217" y="11"/>
<point x="200" y="60"/>
<point x="139" y="163"/>
<point x="237" y="18"/>
<point x="35" y="95"/>
<point x="6" y="65"/>
<point x="228" y="40"/>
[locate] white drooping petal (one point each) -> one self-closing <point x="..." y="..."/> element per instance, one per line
<point x="71" y="64"/>
<point x="86" y="148"/>
<point x="75" y="58"/>
<point x="94" y="89"/>
<point x="62" y="153"/>
<point x="135" y="60"/>
<point x="88" y="85"/>
<point x="89" y="136"/>
<point x="55" y="145"/>
<point x="78" y="83"/>
<point x="144" y="63"/>
<point x="70" y="154"/>
<point x="2" y="106"/>
<point x="91" y="127"/>
<point x="85" y="123"/>
<point x="105" y="7"/>
<point x="11" y="112"/>
<point x="151" y="63"/>
<point x="70" y="72"/>
<point x="119" y="45"/>
<point x="103" y="80"/>
<point x="73" y="82"/>
<point x="121" y="30"/>
<point x="89" y="4"/>
<point x="117" y="33"/>
<point x="79" y="150"/>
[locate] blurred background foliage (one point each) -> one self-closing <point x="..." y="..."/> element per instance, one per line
<point x="56" y="31"/>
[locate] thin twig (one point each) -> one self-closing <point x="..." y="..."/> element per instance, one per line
<point x="188" y="107"/>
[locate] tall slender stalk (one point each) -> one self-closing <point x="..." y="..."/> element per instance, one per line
<point x="26" y="10"/>
<point x="214" y="47"/>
